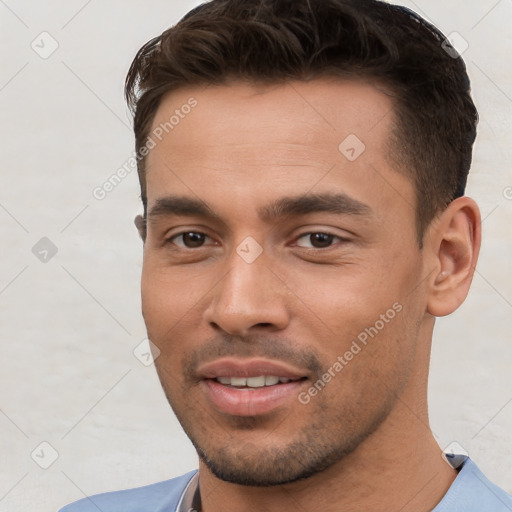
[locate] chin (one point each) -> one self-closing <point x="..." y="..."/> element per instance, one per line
<point x="250" y="465"/>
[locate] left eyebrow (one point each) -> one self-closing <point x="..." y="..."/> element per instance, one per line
<point x="294" y="206"/>
<point x="337" y="203"/>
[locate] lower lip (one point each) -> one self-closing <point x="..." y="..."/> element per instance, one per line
<point x="249" y="401"/>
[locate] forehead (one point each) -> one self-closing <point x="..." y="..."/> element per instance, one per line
<point x="255" y="140"/>
<point x="327" y="107"/>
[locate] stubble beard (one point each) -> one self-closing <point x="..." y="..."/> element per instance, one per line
<point x="316" y="447"/>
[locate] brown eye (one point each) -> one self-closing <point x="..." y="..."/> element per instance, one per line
<point x="189" y="239"/>
<point x="318" y="240"/>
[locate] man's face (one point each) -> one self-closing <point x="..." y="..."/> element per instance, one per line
<point x="255" y="293"/>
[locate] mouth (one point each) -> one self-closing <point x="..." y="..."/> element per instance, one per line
<point x="250" y="387"/>
<point x="254" y="382"/>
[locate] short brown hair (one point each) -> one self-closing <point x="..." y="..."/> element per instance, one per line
<point x="277" y="40"/>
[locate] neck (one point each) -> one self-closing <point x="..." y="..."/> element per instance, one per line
<point x="411" y="478"/>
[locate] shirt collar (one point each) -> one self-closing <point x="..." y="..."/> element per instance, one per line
<point x="190" y="500"/>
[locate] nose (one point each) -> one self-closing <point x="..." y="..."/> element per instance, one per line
<point x="250" y="296"/>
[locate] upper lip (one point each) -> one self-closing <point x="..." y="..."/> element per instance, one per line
<point x="231" y="367"/>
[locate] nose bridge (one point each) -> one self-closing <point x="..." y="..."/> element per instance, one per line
<point x="245" y="279"/>
<point x="249" y="294"/>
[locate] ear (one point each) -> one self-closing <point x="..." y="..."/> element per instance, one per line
<point x="140" y="223"/>
<point x="454" y="242"/>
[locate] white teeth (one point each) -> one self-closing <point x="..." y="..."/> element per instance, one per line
<point x="238" y="381"/>
<point x="252" y="382"/>
<point x="256" y="382"/>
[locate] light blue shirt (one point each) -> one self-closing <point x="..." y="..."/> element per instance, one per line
<point x="471" y="491"/>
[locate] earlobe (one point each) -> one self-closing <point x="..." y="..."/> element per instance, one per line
<point x="455" y="244"/>
<point x="140" y="223"/>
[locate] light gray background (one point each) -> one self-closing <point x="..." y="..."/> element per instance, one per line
<point x="68" y="327"/>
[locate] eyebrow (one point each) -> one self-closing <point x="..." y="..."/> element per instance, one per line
<point x="336" y="203"/>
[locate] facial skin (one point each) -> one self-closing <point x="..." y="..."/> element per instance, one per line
<point x="303" y="301"/>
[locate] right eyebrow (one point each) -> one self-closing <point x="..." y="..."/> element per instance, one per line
<point x="180" y="205"/>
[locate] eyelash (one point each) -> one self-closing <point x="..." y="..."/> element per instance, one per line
<point x="309" y="233"/>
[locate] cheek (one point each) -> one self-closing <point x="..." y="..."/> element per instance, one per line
<point x="164" y="308"/>
<point x="373" y="371"/>
<point x="365" y="316"/>
<point x="346" y="299"/>
<point x="157" y="300"/>
<point x="172" y="305"/>
<point x="167" y="299"/>
<point x="169" y="292"/>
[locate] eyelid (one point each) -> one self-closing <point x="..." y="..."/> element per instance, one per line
<point x="170" y="239"/>
<point x="323" y="232"/>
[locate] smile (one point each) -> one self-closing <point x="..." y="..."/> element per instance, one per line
<point x="253" y="382"/>
<point x="250" y="387"/>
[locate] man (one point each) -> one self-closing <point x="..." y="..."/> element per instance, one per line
<point x="302" y="167"/>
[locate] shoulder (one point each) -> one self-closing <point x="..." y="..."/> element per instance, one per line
<point x="472" y="491"/>
<point x="158" y="497"/>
